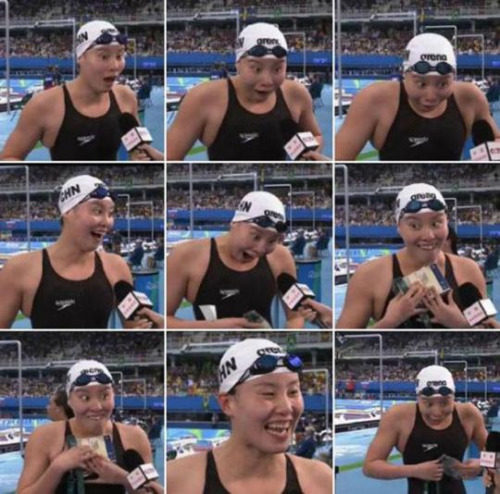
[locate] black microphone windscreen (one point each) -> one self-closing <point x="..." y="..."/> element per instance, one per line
<point x="127" y="122"/>
<point x="482" y="132"/>
<point x="122" y="288"/>
<point x="468" y="295"/>
<point x="289" y="128"/>
<point x="132" y="459"/>
<point x="285" y="282"/>
<point x="493" y="442"/>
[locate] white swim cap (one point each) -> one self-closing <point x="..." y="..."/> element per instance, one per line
<point x="87" y="373"/>
<point x="80" y="188"/>
<point x="265" y="208"/>
<point x="90" y="32"/>
<point x="431" y="48"/>
<point x="261" y="34"/>
<point x="435" y="377"/>
<point x="240" y="357"/>
<point x="424" y="198"/>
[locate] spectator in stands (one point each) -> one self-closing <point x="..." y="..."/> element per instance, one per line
<point x="427" y="116"/>
<point x="307" y="446"/>
<point x="58" y="408"/>
<point x="57" y="455"/>
<point x="136" y="256"/>
<point x="244" y="117"/>
<point x="436" y="420"/>
<point x="81" y="119"/>
<point x="259" y="391"/>
<point x="372" y="291"/>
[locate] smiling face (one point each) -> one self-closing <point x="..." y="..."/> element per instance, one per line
<point x="250" y="241"/>
<point x="262" y="76"/>
<point x="428" y="92"/>
<point x="264" y="411"/>
<point x="100" y="66"/>
<point x="424" y="234"/>
<point x="92" y="405"/>
<point x="87" y="223"/>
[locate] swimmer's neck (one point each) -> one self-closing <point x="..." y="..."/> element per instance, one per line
<point x="66" y="251"/>
<point x="83" y="92"/>
<point x="247" y="461"/>
<point x="98" y="430"/>
<point x="249" y="97"/>
<point x="411" y="264"/>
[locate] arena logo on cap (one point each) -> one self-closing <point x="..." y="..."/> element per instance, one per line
<point x="226" y="368"/>
<point x="269" y="351"/>
<point x="268" y="41"/>
<point x="434" y="57"/>
<point x="435" y="384"/>
<point x="274" y="214"/>
<point x="420" y="197"/>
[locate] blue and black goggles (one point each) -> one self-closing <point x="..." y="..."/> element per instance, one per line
<point x="101" y="192"/>
<point x="429" y="391"/>
<point x="267" y="222"/>
<point x="423" y="67"/>
<point x="86" y="379"/>
<point x="108" y="38"/>
<point x="414" y="206"/>
<point x="261" y="51"/>
<point x="269" y="363"/>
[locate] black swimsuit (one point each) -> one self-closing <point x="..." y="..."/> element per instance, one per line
<point x="213" y="485"/>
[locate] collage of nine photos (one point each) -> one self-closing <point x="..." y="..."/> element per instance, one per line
<point x="293" y="291"/>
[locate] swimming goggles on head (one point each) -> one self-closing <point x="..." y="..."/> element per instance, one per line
<point x="423" y="67"/>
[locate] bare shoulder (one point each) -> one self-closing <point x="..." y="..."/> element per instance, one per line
<point x="400" y="411"/>
<point x="186" y="474"/>
<point x="183" y="250"/>
<point x="131" y="434"/>
<point x="374" y="267"/>
<point x="123" y="92"/>
<point x="466" y="269"/>
<point x="294" y="88"/>
<point x="280" y="254"/>
<point x="314" y="475"/>
<point x="206" y="92"/>
<point x="43" y="436"/>
<point x="22" y="264"/>
<point x="467" y="90"/>
<point x="379" y="92"/>
<point x="468" y="411"/>
<point x="47" y="98"/>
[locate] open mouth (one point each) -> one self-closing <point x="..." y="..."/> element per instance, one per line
<point x="97" y="235"/>
<point x="278" y="429"/>
<point x="247" y="256"/>
<point x="110" y="80"/>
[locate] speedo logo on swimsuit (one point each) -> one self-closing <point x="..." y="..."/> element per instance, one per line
<point x="434" y="57"/>
<point x="64" y="304"/>
<point x="429" y="447"/>
<point x="417" y="141"/>
<point x="82" y="140"/>
<point x="244" y="138"/>
<point x="229" y="293"/>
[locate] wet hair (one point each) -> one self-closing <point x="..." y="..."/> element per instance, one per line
<point x="61" y="400"/>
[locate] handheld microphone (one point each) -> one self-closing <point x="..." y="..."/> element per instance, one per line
<point x="491" y="457"/>
<point x="294" y="293"/>
<point x="297" y="142"/>
<point x="473" y="306"/>
<point x="133" y="135"/>
<point x="140" y="473"/>
<point x="483" y="137"/>
<point x="130" y="301"/>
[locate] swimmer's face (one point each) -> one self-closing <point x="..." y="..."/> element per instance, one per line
<point x="424" y="234"/>
<point x="436" y="409"/>
<point x="92" y="405"/>
<point x="89" y="222"/>
<point x="264" y="411"/>
<point x="427" y="92"/>
<point x="102" y="65"/>
<point x="54" y="411"/>
<point x="252" y="241"/>
<point x="263" y="76"/>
